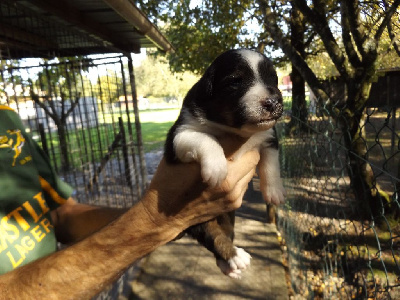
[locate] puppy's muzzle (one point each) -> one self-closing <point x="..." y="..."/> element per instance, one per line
<point x="273" y="106"/>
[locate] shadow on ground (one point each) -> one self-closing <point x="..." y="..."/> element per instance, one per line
<point x="184" y="270"/>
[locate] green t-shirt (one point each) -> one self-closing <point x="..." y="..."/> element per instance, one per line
<point x="29" y="190"/>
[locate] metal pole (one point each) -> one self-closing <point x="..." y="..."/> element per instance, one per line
<point x="143" y="168"/>
<point x="125" y="153"/>
<point x="138" y="186"/>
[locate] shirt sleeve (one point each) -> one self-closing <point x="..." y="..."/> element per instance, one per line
<point x="56" y="190"/>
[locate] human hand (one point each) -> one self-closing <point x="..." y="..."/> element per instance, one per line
<point x="179" y="196"/>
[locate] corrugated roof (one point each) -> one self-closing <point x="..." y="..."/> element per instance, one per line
<point x="48" y="28"/>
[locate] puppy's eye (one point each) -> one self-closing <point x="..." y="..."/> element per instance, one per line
<point x="233" y="82"/>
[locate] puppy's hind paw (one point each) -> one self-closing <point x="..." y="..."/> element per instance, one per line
<point x="274" y="194"/>
<point x="234" y="266"/>
<point x="272" y="190"/>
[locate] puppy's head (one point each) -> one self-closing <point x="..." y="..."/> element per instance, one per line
<point x="239" y="90"/>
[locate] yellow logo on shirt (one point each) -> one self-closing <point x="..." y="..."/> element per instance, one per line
<point x="6" y="142"/>
<point x="19" y="235"/>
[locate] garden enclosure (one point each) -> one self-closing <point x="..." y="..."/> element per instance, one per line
<point x="68" y="100"/>
<point x="71" y="108"/>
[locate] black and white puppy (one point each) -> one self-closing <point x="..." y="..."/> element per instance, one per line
<point x="237" y="95"/>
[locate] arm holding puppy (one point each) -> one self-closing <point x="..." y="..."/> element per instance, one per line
<point x="175" y="200"/>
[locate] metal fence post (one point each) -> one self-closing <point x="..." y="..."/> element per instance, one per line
<point x="139" y="138"/>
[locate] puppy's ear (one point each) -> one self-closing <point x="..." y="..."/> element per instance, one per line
<point x="206" y="82"/>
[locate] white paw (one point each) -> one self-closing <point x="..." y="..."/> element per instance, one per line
<point x="274" y="193"/>
<point x="214" y="170"/>
<point x="234" y="266"/>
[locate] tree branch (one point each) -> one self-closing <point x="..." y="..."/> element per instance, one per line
<point x="373" y="51"/>
<point x="316" y="17"/>
<point x="270" y="23"/>
<point x="346" y="36"/>
<point x="73" y="105"/>
<point x="351" y="7"/>
<point x="394" y="38"/>
<point x="387" y="17"/>
<point x="49" y="100"/>
<point x="35" y="98"/>
<point x="309" y="40"/>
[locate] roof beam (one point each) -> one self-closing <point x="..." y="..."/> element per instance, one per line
<point x="138" y="19"/>
<point x="64" y="10"/>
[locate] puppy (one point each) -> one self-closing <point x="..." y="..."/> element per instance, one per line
<point x="237" y="95"/>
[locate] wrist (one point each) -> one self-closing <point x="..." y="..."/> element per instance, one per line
<point x="164" y="224"/>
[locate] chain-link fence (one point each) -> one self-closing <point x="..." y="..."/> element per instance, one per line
<point x="339" y="245"/>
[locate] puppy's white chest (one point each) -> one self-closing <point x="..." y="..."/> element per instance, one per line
<point x="254" y="142"/>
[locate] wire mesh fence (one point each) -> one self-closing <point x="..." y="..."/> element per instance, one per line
<point x="339" y="244"/>
<point x="72" y="107"/>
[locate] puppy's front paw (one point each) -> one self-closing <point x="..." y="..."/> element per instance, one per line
<point x="274" y="193"/>
<point x="234" y="266"/>
<point x="214" y="170"/>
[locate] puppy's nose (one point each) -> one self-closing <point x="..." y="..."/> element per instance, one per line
<point x="270" y="104"/>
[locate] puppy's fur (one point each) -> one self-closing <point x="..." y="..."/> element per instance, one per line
<point x="237" y="95"/>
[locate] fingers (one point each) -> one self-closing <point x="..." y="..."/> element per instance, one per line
<point x="178" y="185"/>
<point x="235" y="197"/>
<point x="237" y="170"/>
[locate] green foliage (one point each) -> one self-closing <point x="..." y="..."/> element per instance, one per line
<point x="154" y="77"/>
<point x="109" y="87"/>
<point x="6" y="78"/>
<point x="388" y="58"/>
<point x="201" y="32"/>
<point x="154" y="124"/>
<point x="64" y="77"/>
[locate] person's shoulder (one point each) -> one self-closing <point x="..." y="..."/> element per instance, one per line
<point x="11" y="116"/>
<point x="9" y="111"/>
<point x="5" y="107"/>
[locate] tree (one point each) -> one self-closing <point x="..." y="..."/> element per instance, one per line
<point x="352" y="36"/>
<point x="57" y="91"/>
<point x="8" y="77"/>
<point x="154" y="77"/>
<point x="354" y="54"/>
<point x="109" y="87"/>
<point x="299" y="105"/>
<point x="200" y="32"/>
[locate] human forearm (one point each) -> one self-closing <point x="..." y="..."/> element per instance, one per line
<point x="176" y="199"/>
<point x="75" y="221"/>
<point x="84" y="269"/>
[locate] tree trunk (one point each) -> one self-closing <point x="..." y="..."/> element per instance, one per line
<point x="299" y="105"/>
<point x="371" y="201"/>
<point x="63" y="138"/>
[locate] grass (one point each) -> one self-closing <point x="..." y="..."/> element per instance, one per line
<point x="85" y="144"/>
<point x="155" y="126"/>
<point x="91" y="144"/>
